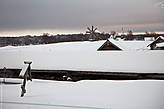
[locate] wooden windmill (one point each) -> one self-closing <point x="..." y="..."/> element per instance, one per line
<point x="92" y="33"/>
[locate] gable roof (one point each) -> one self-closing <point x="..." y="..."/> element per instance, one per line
<point x="158" y="40"/>
<point x="82" y="56"/>
<point x="108" y="45"/>
<point x="127" y="45"/>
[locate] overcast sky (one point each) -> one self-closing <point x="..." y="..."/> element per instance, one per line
<point x="32" y="16"/>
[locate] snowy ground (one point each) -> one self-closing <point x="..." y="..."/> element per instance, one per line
<point x="101" y="94"/>
<point x="83" y="56"/>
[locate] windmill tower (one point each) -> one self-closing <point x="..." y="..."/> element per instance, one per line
<point x="92" y="33"/>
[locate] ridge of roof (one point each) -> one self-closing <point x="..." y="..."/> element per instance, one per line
<point x="131" y="45"/>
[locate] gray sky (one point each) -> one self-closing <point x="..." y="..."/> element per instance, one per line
<point x="32" y="16"/>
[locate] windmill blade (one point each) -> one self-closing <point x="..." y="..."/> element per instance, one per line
<point x="95" y="29"/>
<point x="88" y="28"/>
<point x="92" y="28"/>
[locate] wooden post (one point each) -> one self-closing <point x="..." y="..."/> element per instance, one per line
<point x="26" y="74"/>
<point x="4" y="71"/>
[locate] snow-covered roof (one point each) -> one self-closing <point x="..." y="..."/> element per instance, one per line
<point x="83" y="56"/>
<point x="65" y="46"/>
<point x="97" y="31"/>
<point x="161" y="37"/>
<point x="131" y="45"/>
<point x="157" y="39"/>
<point x="160" y="44"/>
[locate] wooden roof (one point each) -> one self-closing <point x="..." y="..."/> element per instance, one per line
<point x="108" y="45"/>
<point x="160" y="39"/>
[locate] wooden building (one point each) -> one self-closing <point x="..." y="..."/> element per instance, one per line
<point x="157" y="44"/>
<point x="160" y="46"/>
<point x="108" y="45"/>
<point x="134" y="45"/>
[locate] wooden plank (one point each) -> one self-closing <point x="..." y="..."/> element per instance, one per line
<point x="24" y="70"/>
